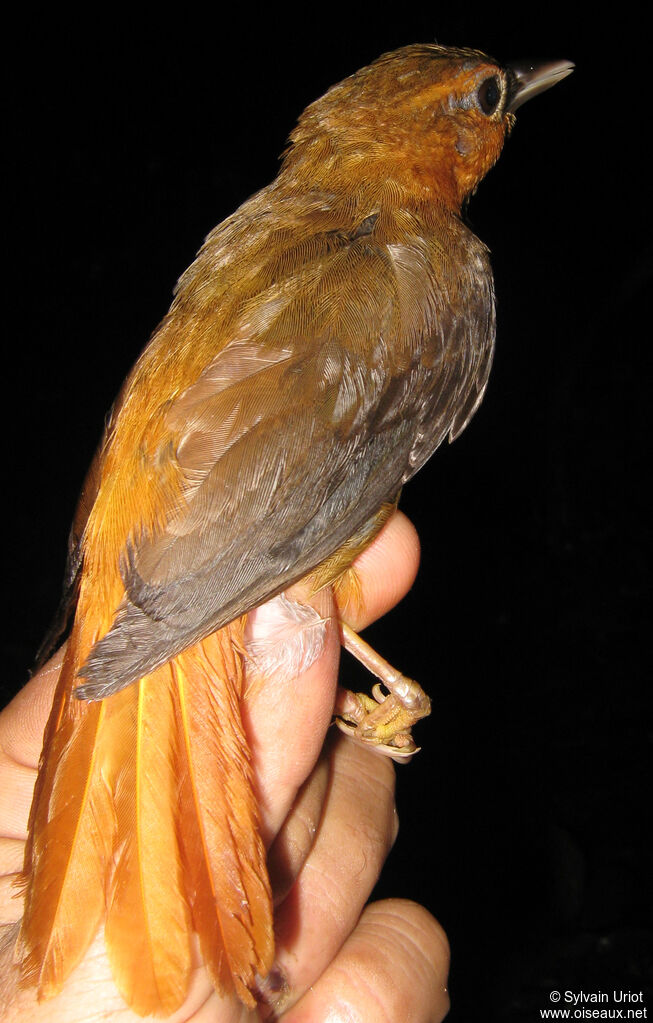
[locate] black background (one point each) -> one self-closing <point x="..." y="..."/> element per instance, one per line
<point x="526" y="817"/>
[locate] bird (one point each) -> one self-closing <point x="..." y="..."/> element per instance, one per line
<point x="329" y="336"/>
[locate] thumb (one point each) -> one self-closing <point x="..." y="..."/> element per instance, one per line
<point x="23" y="720"/>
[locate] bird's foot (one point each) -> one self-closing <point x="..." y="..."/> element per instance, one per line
<point x="382" y="723"/>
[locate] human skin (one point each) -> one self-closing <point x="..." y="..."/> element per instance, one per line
<point x="329" y="819"/>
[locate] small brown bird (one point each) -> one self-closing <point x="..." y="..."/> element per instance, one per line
<point x="328" y="337"/>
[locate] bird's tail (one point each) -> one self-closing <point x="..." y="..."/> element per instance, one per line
<point x="144" y="815"/>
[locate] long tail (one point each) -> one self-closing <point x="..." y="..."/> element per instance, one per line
<point x="144" y="815"/>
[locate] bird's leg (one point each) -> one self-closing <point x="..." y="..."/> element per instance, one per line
<point x="382" y="723"/>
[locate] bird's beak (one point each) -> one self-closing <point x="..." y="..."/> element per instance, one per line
<point x="530" y="77"/>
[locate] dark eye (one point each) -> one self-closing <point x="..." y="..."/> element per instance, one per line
<point x="489" y="94"/>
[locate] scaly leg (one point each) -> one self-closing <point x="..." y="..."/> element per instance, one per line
<point x="382" y="723"/>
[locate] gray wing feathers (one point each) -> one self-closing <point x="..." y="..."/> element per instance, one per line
<point x="287" y="449"/>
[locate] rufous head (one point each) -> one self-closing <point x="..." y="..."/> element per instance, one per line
<point x="431" y="119"/>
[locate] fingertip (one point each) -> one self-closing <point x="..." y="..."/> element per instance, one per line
<point x="386" y="570"/>
<point x="425" y="952"/>
<point x="425" y="930"/>
<point x="393" y="966"/>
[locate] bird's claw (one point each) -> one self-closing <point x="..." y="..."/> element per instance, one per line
<point x="383" y="723"/>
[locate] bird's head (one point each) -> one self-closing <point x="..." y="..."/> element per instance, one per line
<point x="429" y="119"/>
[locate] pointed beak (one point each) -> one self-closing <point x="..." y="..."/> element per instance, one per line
<point x="530" y="77"/>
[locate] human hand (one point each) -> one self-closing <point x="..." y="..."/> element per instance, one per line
<point x="329" y="820"/>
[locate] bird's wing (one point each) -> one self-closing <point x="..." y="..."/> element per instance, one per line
<point x="292" y="438"/>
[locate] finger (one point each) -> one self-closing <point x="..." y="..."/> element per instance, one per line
<point x="286" y="721"/>
<point x="354" y="836"/>
<point x="296" y="838"/>
<point x="11" y="860"/>
<point x="386" y="570"/>
<point x="21" y="737"/>
<point x="394" y="966"/>
<point x="22" y="721"/>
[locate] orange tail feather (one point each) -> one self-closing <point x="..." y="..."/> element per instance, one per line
<point x="224" y="855"/>
<point x="70" y="841"/>
<point x="144" y="804"/>
<point x="147" y="927"/>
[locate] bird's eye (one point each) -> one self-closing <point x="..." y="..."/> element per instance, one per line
<point x="489" y="94"/>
